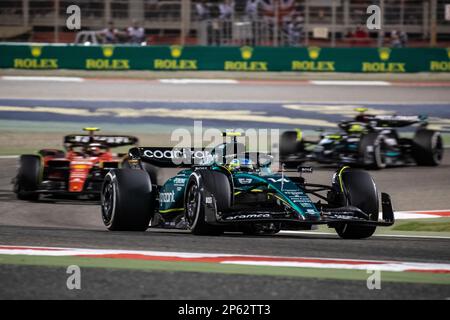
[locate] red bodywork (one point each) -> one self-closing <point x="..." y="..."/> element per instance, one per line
<point x="80" y="166"/>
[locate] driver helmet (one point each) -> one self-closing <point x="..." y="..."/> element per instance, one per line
<point x="234" y="164"/>
<point x="246" y="165"/>
<point x="241" y="164"/>
<point x="356" y="128"/>
<point x="94" y="149"/>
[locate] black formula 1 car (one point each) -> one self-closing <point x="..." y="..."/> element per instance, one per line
<point x="238" y="192"/>
<point x="77" y="170"/>
<point x="370" y="141"/>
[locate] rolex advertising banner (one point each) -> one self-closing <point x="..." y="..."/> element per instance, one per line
<point x="254" y="59"/>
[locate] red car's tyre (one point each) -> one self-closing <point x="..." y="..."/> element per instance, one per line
<point x="28" y="178"/>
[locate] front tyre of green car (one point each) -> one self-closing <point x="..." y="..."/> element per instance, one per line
<point x="359" y="191"/>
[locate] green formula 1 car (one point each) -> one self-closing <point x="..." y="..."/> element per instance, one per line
<point x="236" y="191"/>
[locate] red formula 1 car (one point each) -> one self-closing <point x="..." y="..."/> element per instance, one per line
<point x="77" y="171"/>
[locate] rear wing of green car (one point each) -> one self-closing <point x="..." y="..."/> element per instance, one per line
<point x="170" y="157"/>
<point x="188" y="157"/>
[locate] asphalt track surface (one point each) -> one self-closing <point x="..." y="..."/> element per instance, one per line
<point x="74" y="224"/>
<point x="216" y="115"/>
<point x="277" y="91"/>
<point x="278" y="104"/>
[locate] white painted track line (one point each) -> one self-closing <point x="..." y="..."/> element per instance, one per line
<point x="348" y="83"/>
<point x="375" y="235"/>
<point x="33" y="78"/>
<point x="199" y="81"/>
<point x="258" y="260"/>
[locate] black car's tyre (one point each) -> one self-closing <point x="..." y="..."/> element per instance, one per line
<point x="428" y="148"/>
<point x="359" y="191"/>
<point x="216" y="183"/>
<point x="127" y="200"/>
<point x="290" y="144"/>
<point x="28" y="177"/>
<point x="372" y="149"/>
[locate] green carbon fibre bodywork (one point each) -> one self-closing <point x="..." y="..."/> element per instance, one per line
<point x="171" y="194"/>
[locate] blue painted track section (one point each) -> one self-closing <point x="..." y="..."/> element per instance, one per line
<point x="268" y="110"/>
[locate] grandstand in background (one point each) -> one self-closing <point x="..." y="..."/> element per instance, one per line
<point x="339" y="23"/>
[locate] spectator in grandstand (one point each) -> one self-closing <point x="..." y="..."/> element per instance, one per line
<point x="295" y="29"/>
<point x="322" y="17"/>
<point x="203" y="11"/>
<point x="251" y="10"/>
<point x="209" y="29"/>
<point x="135" y="33"/>
<point x="403" y="39"/>
<point x="395" y="39"/>
<point x="109" y="34"/>
<point x="226" y="10"/>
<point x="277" y="10"/>
<point x="359" y="37"/>
<point x="360" y="33"/>
<point x="277" y="13"/>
